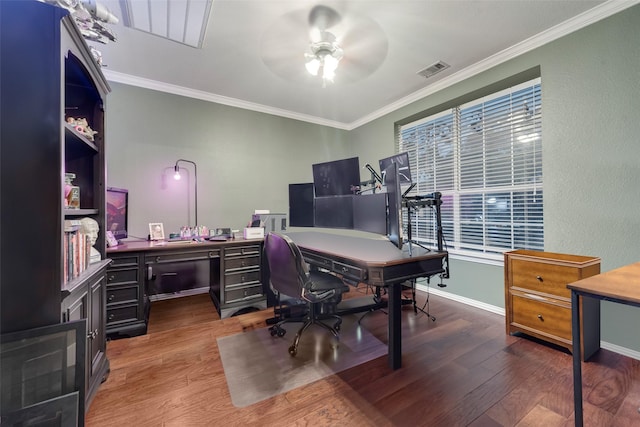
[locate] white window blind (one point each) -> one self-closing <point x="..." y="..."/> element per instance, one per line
<point x="485" y="157"/>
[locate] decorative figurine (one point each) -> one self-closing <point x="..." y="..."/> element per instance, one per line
<point x="81" y="125"/>
<point x="91" y="228"/>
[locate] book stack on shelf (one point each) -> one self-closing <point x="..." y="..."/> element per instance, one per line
<point x="77" y="247"/>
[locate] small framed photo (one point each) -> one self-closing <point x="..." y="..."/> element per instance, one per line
<point x="156" y="231"/>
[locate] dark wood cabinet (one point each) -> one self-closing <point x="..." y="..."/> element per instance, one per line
<point x="127" y="299"/>
<point x="87" y="301"/>
<point x="47" y="75"/>
<point x="240" y="286"/>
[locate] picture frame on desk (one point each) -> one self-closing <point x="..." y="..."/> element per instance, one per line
<point x="156" y="231"/>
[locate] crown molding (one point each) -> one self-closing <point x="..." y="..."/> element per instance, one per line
<point x="578" y="22"/>
<point x="117" y="77"/>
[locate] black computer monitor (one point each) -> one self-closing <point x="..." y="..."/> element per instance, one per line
<point x="404" y="171"/>
<point x="370" y="213"/>
<point x="394" y="201"/>
<point x="336" y="178"/>
<point x="118" y="212"/>
<point x="301" y="205"/>
<point x="334" y="212"/>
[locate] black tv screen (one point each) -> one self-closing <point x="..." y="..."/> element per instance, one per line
<point x="336" y="178"/>
<point x="402" y="160"/>
<point x="117" y="212"/>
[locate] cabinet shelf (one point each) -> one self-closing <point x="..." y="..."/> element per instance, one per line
<point x="78" y="144"/>
<point x="84" y="276"/>
<point x="80" y="212"/>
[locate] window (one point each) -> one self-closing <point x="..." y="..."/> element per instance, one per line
<point x="485" y="158"/>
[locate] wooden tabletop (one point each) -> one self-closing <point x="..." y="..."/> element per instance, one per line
<point x="621" y="284"/>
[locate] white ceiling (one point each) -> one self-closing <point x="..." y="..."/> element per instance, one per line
<point x="251" y="50"/>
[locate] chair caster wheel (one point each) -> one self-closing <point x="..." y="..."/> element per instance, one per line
<point x="337" y="327"/>
<point x="293" y="351"/>
<point x="281" y="332"/>
<point x="273" y="331"/>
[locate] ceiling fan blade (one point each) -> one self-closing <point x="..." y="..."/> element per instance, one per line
<point x="323" y="17"/>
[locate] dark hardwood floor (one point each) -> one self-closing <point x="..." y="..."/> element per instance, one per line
<point x="461" y="370"/>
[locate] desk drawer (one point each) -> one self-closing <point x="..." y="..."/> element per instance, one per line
<point x="125" y="261"/>
<point x="241" y="277"/>
<point x="318" y="260"/>
<point x="242" y="293"/>
<point x="349" y="271"/>
<point x="173" y="257"/>
<point x="122" y="314"/>
<point x="241" y="262"/>
<point x="242" y="251"/>
<point x="546" y="317"/>
<point x="122" y="276"/>
<point x="122" y="294"/>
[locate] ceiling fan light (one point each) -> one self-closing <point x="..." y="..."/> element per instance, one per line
<point x="313" y="66"/>
<point x="330" y="64"/>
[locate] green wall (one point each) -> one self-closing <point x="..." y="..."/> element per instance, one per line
<point x="245" y="159"/>
<point x="591" y="155"/>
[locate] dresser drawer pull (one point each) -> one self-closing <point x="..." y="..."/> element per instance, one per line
<point x="540" y="317"/>
<point x="539" y="278"/>
<point x="111" y="297"/>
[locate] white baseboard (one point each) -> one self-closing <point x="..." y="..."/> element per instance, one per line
<point x="499" y="310"/>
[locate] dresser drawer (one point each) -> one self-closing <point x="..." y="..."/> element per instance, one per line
<point x="546" y="278"/>
<point x="236" y="294"/>
<point x="121" y="314"/>
<point x="241" y="277"/>
<point x="122" y="294"/>
<point x="241" y="262"/>
<point x="122" y="276"/>
<point x="542" y="316"/>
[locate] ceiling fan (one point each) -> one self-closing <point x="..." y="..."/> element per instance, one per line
<point x="323" y="45"/>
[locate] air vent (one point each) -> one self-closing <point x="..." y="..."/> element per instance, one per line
<point x="433" y="69"/>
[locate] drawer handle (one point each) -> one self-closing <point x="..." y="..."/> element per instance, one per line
<point x="111" y="297"/>
<point x="540" y="317"/>
<point x="112" y="278"/>
<point x="539" y="278"/>
<point x="111" y="316"/>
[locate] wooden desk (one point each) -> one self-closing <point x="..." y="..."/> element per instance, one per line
<point x="376" y="262"/>
<point x="144" y="271"/>
<point x="621" y="285"/>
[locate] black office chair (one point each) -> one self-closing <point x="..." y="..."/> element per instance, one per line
<point x="290" y="277"/>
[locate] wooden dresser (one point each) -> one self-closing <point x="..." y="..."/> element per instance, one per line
<point x="538" y="303"/>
